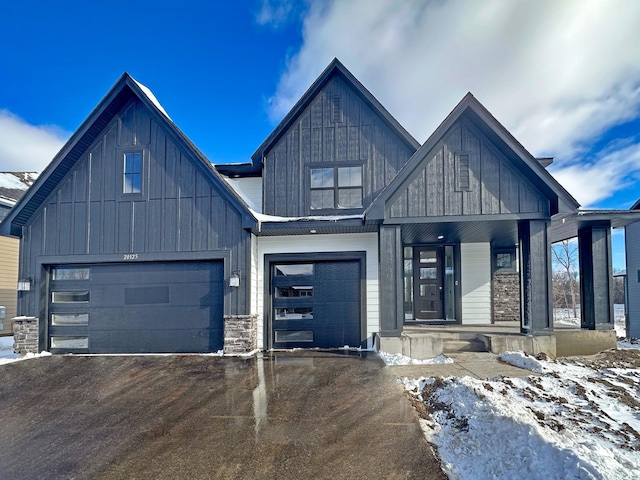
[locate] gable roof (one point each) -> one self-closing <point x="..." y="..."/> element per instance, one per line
<point x="122" y="92"/>
<point x="527" y="164"/>
<point x="635" y="206"/>
<point x="334" y="68"/>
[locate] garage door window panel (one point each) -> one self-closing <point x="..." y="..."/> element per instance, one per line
<point x="70" y="296"/>
<point x="294" y="336"/>
<point x="69" y="343"/>
<point x="66" y="274"/>
<point x="70" y="319"/>
<point x="294" y="313"/>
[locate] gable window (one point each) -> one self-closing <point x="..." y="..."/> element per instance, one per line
<point x="336" y="188"/>
<point x="132" y="173"/>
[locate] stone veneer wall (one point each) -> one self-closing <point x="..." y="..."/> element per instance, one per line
<point x="25" y="335"/>
<point x="240" y="333"/>
<point x="506" y="297"/>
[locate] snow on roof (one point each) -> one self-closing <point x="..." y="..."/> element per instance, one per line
<point x="151" y="97"/>
<point x="14" y="184"/>
<point x="263" y="218"/>
<point x="7" y="202"/>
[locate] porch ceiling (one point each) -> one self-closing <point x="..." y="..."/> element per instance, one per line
<point x="499" y="232"/>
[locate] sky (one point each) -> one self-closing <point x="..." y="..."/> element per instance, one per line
<point x="562" y="76"/>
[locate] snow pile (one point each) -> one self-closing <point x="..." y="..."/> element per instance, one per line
<point x="629" y="343"/>
<point x="521" y="360"/>
<point x="399" y="359"/>
<point x="573" y="422"/>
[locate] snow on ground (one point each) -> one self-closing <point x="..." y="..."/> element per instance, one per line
<point x="399" y="359"/>
<point x="578" y="419"/>
<point x="7" y="355"/>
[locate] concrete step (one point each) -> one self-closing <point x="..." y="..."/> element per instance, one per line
<point x="451" y="346"/>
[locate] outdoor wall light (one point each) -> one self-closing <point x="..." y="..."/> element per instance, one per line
<point x="440" y="237"/>
<point x="24" y="285"/>
<point x="234" y="280"/>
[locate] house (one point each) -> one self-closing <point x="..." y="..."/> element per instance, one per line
<point x="341" y="230"/>
<point x="12" y="187"/>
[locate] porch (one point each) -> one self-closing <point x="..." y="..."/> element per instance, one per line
<point x="427" y="341"/>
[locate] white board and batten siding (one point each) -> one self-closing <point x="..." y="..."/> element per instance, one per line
<point x="250" y="189"/>
<point x="475" y="282"/>
<point x="367" y="242"/>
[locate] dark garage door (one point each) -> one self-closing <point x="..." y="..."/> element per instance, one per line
<point x="136" y="307"/>
<point x="316" y="304"/>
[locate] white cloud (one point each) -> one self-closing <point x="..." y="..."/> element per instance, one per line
<point x="275" y="13"/>
<point x="25" y="147"/>
<point x="591" y="182"/>
<point x="557" y="74"/>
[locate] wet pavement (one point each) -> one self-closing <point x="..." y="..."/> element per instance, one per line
<point x="296" y="415"/>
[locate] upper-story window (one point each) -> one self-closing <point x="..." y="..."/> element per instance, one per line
<point x="336" y="188"/>
<point x="132" y="173"/>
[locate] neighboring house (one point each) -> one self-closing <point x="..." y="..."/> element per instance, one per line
<point x="12" y="186"/>
<point x="342" y="229"/>
<point x="632" y="283"/>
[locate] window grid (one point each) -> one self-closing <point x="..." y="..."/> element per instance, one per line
<point x="132" y="176"/>
<point x="336" y="188"/>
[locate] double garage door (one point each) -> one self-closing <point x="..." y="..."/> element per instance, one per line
<point x="316" y="304"/>
<point x="136" y="308"/>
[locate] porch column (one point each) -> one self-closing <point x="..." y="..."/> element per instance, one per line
<point x="594" y="250"/>
<point x="391" y="268"/>
<point x="535" y="278"/>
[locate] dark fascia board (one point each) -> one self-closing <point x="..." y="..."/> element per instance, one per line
<point x="565" y="226"/>
<point x="238" y="170"/>
<point x="635" y="206"/>
<point x="529" y="164"/>
<point x="334" y="68"/>
<point x="121" y="92"/>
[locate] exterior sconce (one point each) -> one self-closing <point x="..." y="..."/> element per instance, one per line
<point x="24" y="285"/>
<point x="234" y="280"/>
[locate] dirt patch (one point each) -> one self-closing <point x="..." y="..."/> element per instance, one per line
<point x="629" y="358"/>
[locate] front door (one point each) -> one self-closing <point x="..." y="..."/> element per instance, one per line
<point x="427" y="283"/>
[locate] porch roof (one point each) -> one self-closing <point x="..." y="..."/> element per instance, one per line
<point x="565" y="226"/>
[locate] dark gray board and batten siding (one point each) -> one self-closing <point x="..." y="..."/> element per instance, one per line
<point x="357" y="136"/>
<point x="180" y="213"/>
<point x="495" y="187"/>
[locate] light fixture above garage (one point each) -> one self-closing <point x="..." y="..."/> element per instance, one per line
<point x="440" y="237"/>
<point x="313" y="231"/>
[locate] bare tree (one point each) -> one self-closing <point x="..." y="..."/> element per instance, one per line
<point x="565" y="260"/>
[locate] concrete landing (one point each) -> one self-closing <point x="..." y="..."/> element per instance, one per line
<point x="423" y="342"/>
<point x="480" y="365"/>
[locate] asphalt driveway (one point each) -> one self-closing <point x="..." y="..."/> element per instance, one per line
<point x="290" y="416"/>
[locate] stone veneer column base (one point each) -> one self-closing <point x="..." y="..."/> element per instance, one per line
<point x="506" y="297"/>
<point x="25" y="335"/>
<point x="240" y="333"/>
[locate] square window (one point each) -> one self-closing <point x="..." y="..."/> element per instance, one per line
<point x="504" y="260"/>
<point x="336" y="188"/>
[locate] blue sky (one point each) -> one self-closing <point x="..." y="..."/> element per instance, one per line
<point x="562" y="76"/>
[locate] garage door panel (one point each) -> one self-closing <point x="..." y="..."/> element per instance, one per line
<point x="149" y="307"/>
<point x="336" y="304"/>
<point x="153" y="318"/>
<point x="166" y="294"/>
<point x="156" y="273"/>
<point x="153" y="341"/>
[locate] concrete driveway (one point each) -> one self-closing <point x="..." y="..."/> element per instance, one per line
<point x="290" y="416"/>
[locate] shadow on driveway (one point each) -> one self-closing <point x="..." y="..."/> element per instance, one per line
<point x="292" y="415"/>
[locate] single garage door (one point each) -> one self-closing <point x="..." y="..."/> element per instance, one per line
<point x="168" y="307"/>
<point x="316" y="304"/>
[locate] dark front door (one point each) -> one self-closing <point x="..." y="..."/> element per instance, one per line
<point x="427" y="283"/>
